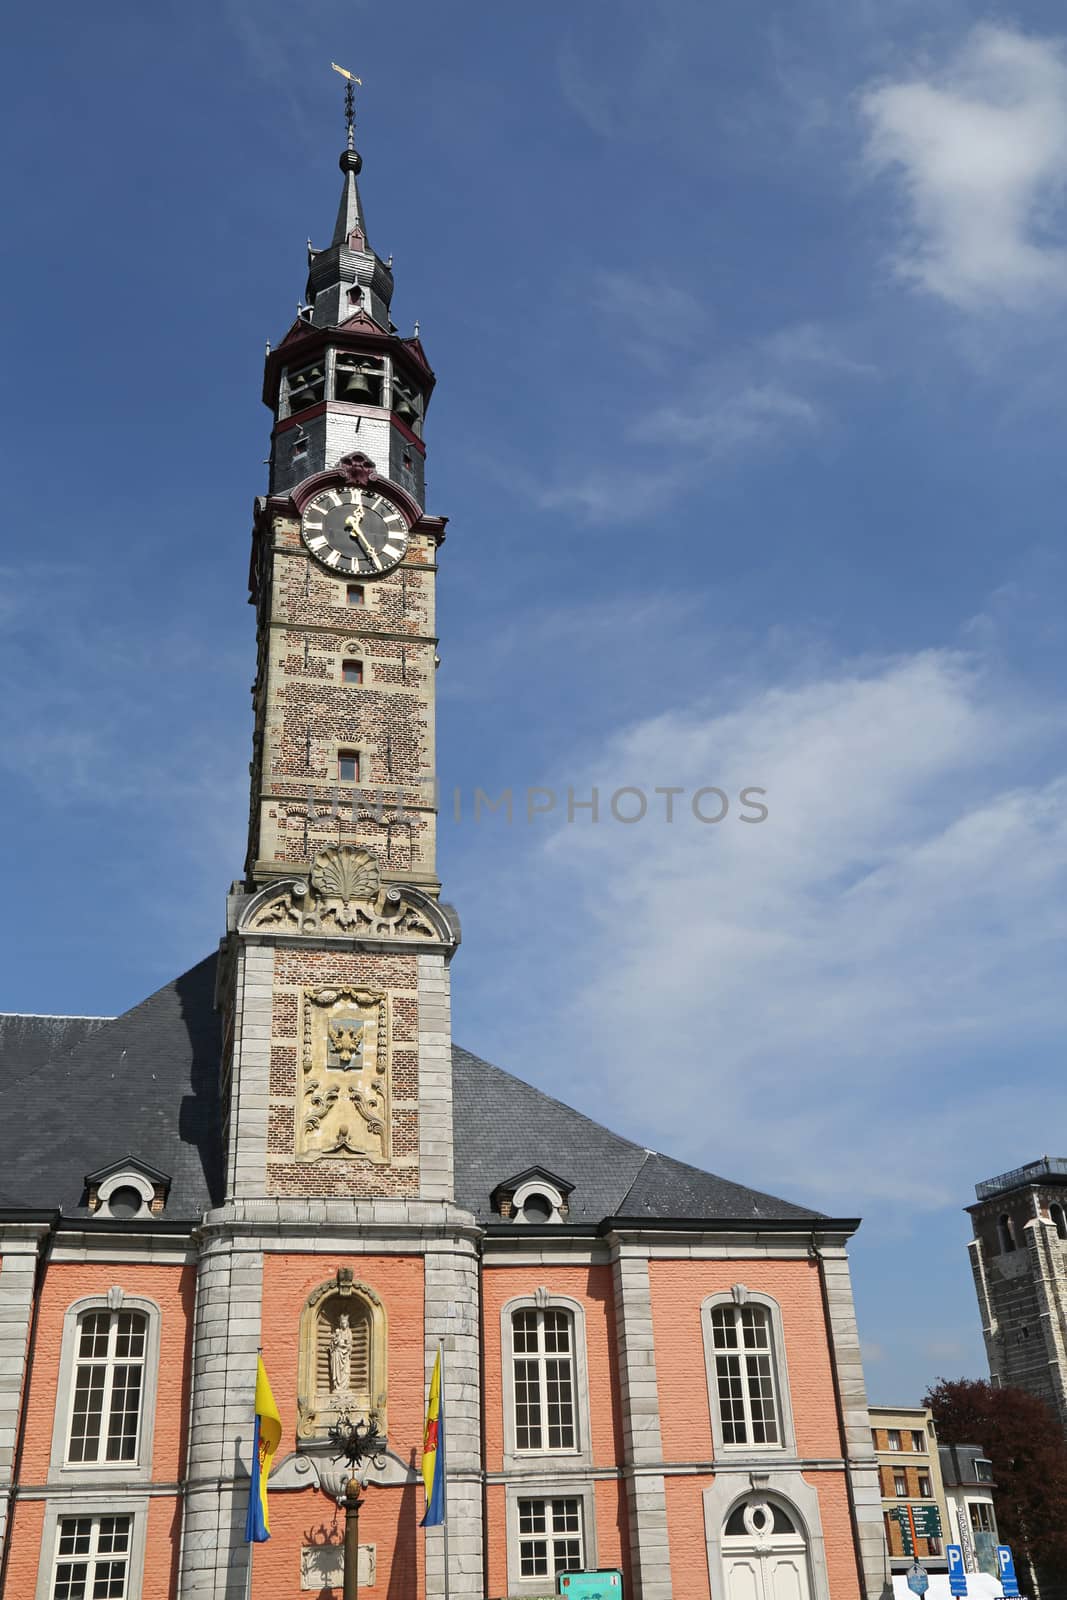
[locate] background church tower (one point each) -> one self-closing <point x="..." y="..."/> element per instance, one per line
<point x="333" y="978"/>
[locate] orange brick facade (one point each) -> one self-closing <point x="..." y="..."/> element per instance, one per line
<point x="310" y="1518"/>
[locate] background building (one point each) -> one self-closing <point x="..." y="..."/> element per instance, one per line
<point x="1017" y="1258"/>
<point x="967" y="1477"/>
<point x="646" y="1366"/>
<point x="909" y="1470"/>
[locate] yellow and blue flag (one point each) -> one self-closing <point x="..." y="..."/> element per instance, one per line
<point x="433" y="1452"/>
<point x="267" y="1434"/>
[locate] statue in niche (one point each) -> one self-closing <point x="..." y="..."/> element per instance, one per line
<point x="343" y="1350"/>
<point x="341" y="1357"/>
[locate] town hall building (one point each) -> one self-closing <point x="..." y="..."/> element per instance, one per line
<point x="647" y="1367"/>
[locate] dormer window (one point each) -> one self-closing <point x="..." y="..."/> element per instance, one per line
<point x="127" y="1189"/>
<point x="534" y="1196"/>
<point x="359" y="380"/>
<point x="306" y="386"/>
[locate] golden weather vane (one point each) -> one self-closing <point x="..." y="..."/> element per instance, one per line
<point x="350" y="98"/>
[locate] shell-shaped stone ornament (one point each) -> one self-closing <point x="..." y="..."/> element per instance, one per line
<point x="341" y="873"/>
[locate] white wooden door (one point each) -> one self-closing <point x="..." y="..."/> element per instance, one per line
<point x="744" y="1578"/>
<point x="776" y="1575"/>
<point x="785" y="1575"/>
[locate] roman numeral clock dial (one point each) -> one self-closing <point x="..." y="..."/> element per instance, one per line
<point x="354" y="531"/>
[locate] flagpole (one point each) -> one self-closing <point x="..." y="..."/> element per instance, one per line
<point x="443" y="1449"/>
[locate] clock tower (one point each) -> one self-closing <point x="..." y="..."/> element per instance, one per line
<point x="334" y="973"/>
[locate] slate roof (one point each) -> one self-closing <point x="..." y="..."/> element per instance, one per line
<point x="80" y="1092"/>
<point x="502" y="1125"/>
<point x="144" y="1084"/>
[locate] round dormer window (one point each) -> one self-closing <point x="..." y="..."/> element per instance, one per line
<point x="125" y="1202"/>
<point x="537" y="1207"/>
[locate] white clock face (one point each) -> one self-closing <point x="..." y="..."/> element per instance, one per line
<point x="354" y="530"/>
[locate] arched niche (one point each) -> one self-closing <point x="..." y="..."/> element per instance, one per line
<point x="343" y="1357"/>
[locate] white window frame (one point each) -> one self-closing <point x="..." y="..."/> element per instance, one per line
<point x="109" y="1505"/>
<point x="581" y="1452"/>
<point x="740" y="1296"/>
<point x="540" y="1488"/>
<point x="139" y="1469"/>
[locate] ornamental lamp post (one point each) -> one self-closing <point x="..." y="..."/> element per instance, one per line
<point x="358" y="1444"/>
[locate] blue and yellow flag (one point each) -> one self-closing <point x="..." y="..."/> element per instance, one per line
<point x="433" y="1452"/>
<point x="268" y="1432"/>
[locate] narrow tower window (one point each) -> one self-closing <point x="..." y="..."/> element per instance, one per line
<point x="354" y="595"/>
<point x="1006" y="1233"/>
<point x="351" y="672"/>
<point x="1057" y="1215"/>
<point x="348" y="766"/>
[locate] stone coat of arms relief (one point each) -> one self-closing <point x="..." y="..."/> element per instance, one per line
<point x="343" y="1105"/>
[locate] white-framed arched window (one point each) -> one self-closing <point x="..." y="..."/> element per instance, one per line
<point x="106" y="1396"/>
<point x="545" y="1378"/>
<point x="748" y="1385"/>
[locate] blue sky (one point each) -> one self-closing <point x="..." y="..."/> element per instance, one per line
<point x="750" y="325"/>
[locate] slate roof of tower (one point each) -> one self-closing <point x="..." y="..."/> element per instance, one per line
<point x="79" y="1092"/>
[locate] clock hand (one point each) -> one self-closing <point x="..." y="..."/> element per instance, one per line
<point x="355" y="531"/>
<point x="369" y="548"/>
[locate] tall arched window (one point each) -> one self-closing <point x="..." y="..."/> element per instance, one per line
<point x="543" y="1355"/>
<point x="748" y="1386"/>
<point x="1056" y="1213"/>
<point x="744" y="1374"/>
<point x="108" y="1388"/>
<point x="1005" y="1233"/>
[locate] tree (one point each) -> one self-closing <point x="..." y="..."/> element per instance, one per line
<point x="1025" y="1443"/>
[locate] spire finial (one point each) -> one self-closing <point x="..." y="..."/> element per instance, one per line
<point x="350" y="101"/>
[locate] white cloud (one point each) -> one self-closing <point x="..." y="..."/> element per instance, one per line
<point x="981" y="150"/>
<point x="726" y="421"/>
<point x="784" y="1002"/>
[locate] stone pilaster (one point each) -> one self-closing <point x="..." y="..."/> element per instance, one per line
<point x="865" y="1491"/>
<point x="435" y="1079"/>
<point x="452" y="1322"/>
<point x="250" y="1073"/>
<point x="19" y="1246"/>
<point x="214" y="1556"/>
<point x="642" y="1440"/>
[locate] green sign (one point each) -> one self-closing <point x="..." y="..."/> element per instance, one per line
<point x="927" y="1521"/>
<point x="603" y="1585"/>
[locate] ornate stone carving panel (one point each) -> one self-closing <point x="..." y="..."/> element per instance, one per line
<point x="344" y="894"/>
<point x="343" y="1100"/>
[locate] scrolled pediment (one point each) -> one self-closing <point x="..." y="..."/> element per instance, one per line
<point x="344" y="894"/>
